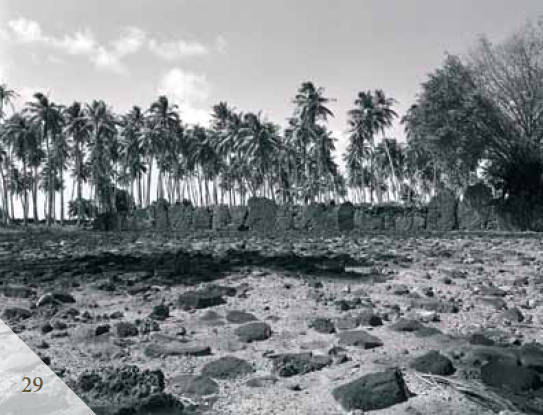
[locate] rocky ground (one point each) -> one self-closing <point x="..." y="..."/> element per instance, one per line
<point x="444" y="324"/>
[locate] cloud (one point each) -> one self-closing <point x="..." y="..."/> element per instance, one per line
<point x="221" y="44"/>
<point x="189" y="91"/>
<point x="130" y="41"/>
<point x="176" y="49"/>
<point x="80" y="43"/>
<point x="26" y="30"/>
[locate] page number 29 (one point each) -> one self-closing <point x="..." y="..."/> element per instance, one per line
<point x="32" y="385"/>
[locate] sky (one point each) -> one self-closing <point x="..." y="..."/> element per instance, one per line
<point x="253" y="54"/>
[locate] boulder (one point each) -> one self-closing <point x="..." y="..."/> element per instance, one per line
<point x="194" y="385"/>
<point x="251" y="332"/>
<point x="227" y="367"/>
<point x="433" y="362"/>
<point x="239" y="317"/>
<point x="262" y="213"/>
<point x="174" y="348"/>
<point x="359" y="338"/>
<point x="442" y="215"/>
<point x="373" y="391"/>
<point x="290" y="364"/>
<point x="126" y="329"/>
<point x="16" y="313"/>
<point x="322" y="325"/>
<point x="203" y="298"/>
<point x="510" y="376"/>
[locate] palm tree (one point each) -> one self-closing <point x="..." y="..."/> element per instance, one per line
<point x="47" y="115"/>
<point x="132" y="150"/>
<point x="6" y="98"/>
<point x="79" y="130"/>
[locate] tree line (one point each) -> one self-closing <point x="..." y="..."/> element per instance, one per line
<point x="479" y="117"/>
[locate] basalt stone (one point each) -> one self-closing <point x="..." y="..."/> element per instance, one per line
<point x="373" y="391"/>
<point x="261" y="382"/>
<point x="155" y="350"/>
<point x="194" y="385"/>
<point x="323" y="325"/>
<point x="531" y="356"/>
<point x="126" y="329"/>
<point x="497" y="302"/>
<point x="408" y="325"/>
<point x="513" y="315"/>
<point x="228" y="367"/>
<point x="200" y="299"/>
<point x="17" y="291"/>
<point x="369" y="318"/>
<point x="433" y="362"/>
<point x="510" y="376"/>
<point x="239" y="317"/>
<point x="359" y="338"/>
<point x="160" y="312"/>
<point x="290" y="364"/>
<point x="347" y="322"/>
<point x="16" y="314"/>
<point x="102" y="329"/>
<point x="251" y="332"/>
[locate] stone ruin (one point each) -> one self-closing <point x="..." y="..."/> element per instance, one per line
<point x="475" y="211"/>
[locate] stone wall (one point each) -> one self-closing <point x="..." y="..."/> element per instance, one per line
<point x="476" y="211"/>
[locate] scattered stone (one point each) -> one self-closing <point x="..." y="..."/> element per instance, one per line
<point x="513" y="315"/>
<point x="507" y="375"/>
<point x="16" y="314"/>
<point x="46" y="328"/>
<point x="531" y="356"/>
<point x="480" y="339"/>
<point x="126" y="329"/>
<point x="156" y="350"/>
<point x="251" y="332"/>
<point x="261" y="382"/>
<point x="359" y="338"/>
<point x="102" y="329"/>
<point x="347" y="322"/>
<point x="205" y="298"/>
<point x="228" y="367"/>
<point x="239" y="317"/>
<point x="433" y="362"/>
<point x="409" y="325"/>
<point x="18" y="291"/>
<point x="160" y="312"/>
<point x="497" y="302"/>
<point x="323" y="325"/>
<point x="369" y="318"/>
<point x="290" y="364"/>
<point x="194" y="385"/>
<point x="373" y="391"/>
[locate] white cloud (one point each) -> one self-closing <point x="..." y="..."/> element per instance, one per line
<point x="80" y="43"/>
<point x="189" y="91"/>
<point x="176" y="49"/>
<point x="221" y="44"/>
<point x="26" y="30"/>
<point x="130" y="41"/>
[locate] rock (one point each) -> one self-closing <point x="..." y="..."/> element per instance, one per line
<point x="475" y="208"/>
<point x="194" y="385"/>
<point x="323" y="325"/>
<point x="160" y="312"/>
<point x="18" y="291"/>
<point x="251" y="332"/>
<point x="400" y="289"/>
<point x="513" y="315"/>
<point x="261" y="382"/>
<point x="290" y="364"/>
<point x="16" y="314"/>
<point x="359" y="338"/>
<point x="497" y="302"/>
<point x="239" y="317"/>
<point x="491" y="291"/>
<point x="210" y="316"/>
<point x="126" y="329"/>
<point x="409" y="325"/>
<point x="531" y="356"/>
<point x="147" y="325"/>
<point x="433" y="362"/>
<point x="200" y="299"/>
<point x="369" y="318"/>
<point x="441" y="214"/>
<point x="348" y="322"/>
<point x="102" y="329"/>
<point x="156" y="350"/>
<point x="510" y="376"/>
<point x="46" y="328"/>
<point x="228" y="367"/>
<point x="438" y="306"/>
<point x="373" y="391"/>
<point x="125" y="390"/>
<point x="480" y="339"/>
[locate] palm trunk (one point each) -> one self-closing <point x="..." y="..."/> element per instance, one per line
<point x="149" y="174"/>
<point x="35" y="194"/>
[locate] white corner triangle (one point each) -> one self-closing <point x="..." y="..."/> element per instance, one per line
<point x="17" y="360"/>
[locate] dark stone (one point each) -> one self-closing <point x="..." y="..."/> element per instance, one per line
<point x="507" y="375"/>
<point x="16" y="313"/>
<point x="156" y="350"/>
<point x="323" y="325"/>
<point x="239" y="317"/>
<point x="253" y="332"/>
<point x="126" y="329"/>
<point x="359" y="338"/>
<point x="18" y="291"/>
<point x="513" y="315"/>
<point x="160" y="312"/>
<point x="194" y="385"/>
<point x="369" y="318"/>
<point x="497" y="302"/>
<point x="228" y="367"/>
<point x="373" y="391"/>
<point x="200" y="299"/>
<point x="261" y="382"/>
<point x="531" y="356"/>
<point x="480" y="339"/>
<point x="409" y="325"/>
<point x="46" y="328"/>
<point x="433" y="362"/>
<point x="102" y="329"/>
<point x="491" y="291"/>
<point x="63" y="297"/>
<point x="290" y="364"/>
<point x="347" y="322"/>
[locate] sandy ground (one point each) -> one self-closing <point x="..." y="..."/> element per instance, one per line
<point x="387" y="273"/>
